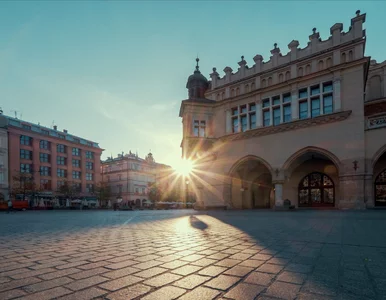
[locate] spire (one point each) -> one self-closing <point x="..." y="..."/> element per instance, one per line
<point x="197" y="83"/>
<point x="197" y="66"/>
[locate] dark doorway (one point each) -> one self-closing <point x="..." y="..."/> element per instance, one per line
<point x="316" y="190"/>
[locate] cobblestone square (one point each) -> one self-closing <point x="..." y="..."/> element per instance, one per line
<point x="185" y="254"/>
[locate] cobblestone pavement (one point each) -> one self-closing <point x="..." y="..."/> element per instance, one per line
<point x="193" y="255"/>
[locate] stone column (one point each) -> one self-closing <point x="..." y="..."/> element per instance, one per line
<point x="278" y="194"/>
<point x="337" y="98"/>
<point x="294" y="104"/>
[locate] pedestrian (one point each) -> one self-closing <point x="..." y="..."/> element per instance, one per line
<point x="10" y="208"/>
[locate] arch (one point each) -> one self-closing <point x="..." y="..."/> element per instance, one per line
<point x="380" y="189"/>
<point x="375" y="87"/>
<point x="244" y="159"/>
<point x="316" y="189"/>
<point x="350" y="55"/>
<point x="232" y="92"/>
<point x="300" y="71"/>
<point x="329" y="62"/>
<point x="343" y="57"/>
<point x="281" y="77"/>
<point x="247" y="88"/>
<point x="287" y="75"/>
<point x="378" y="155"/>
<point x="138" y="202"/>
<point x="252" y="86"/>
<point x="263" y="83"/>
<point x="237" y="91"/>
<point x="218" y="97"/>
<point x="308" y="69"/>
<point x="320" y="65"/>
<point x="223" y="96"/>
<point x="289" y="162"/>
<point x="269" y="80"/>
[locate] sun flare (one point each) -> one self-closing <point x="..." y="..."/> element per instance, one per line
<point x="184" y="167"/>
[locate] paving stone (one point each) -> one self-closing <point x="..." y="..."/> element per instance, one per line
<point x="87" y="282"/>
<point x="252" y="263"/>
<point x="212" y="271"/>
<point x="239" y="271"/>
<point x="93" y="265"/>
<point x="165" y="293"/>
<point x="291" y="277"/>
<point x="269" y="268"/>
<point x="218" y="256"/>
<point x="18" y="283"/>
<point x="168" y="258"/>
<point x="48" y="284"/>
<point x="259" y="278"/>
<point x="174" y="264"/>
<point x="278" y="261"/>
<point x="222" y="282"/>
<point x="151" y="272"/>
<point x="163" y="279"/>
<point x="88" y="273"/>
<point x="204" y="262"/>
<point x="129" y="293"/>
<point x="262" y="256"/>
<point x="318" y="287"/>
<point x="48" y="294"/>
<point x="298" y="268"/>
<point x="244" y="291"/>
<point x="191" y="281"/>
<point x="228" y="262"/>
<point x="200" y="293"/>
<point x="240" y="256"/>
<point x="186" y="270"/>
<point x="192" y="258"/>
<point x="121" y="272"/>
<point x="147" y="258"/>
<point x="32" y="273"/>
<point x="283" y="290"/>
<point x="123" y="264"/>
<point x="90" y="293"/>
<point x="12" y="294"/>
<point x="147" y="265"/>
<point x="73" y="264"/>
<point x="120" y="283"/>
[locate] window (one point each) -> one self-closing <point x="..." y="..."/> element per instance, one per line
<point x="119" y="187"/>
<point x="244" y="123"/>
<point x="61" y="136"/>
<point x="119" y="177"/>
<point x="25" y="126"/>
<point x="143" y="190"/>
<point x="89" y="176"/>
<point x="25" y="154"/>
<point x="61" y="148"/>
<point x="25" y="140"/>
<point x="327" y="104"/>
<point x="26" y="168"/>
<point x="252" y="120"/>
<point x="327" y="87"/>
<point x="45" y="171"/>
<point x="89" y="155"/>
<point x="76" y="140"/>
<point x="252" y="107"/>
<point x="61" y="173"/>
<point x="61" y="160"/>
<point x="59" y="184"/>
<point x="199" y="128"/>
<point x="89" y="188"/>
<point x="266" y="103"/>
<point x="202" y="128"/>
<point x="235" y="124"/>
<point x="287" y="98"/>
<point x="303" y="110"/>
<point x="136" y="190"/>
<point x="315" y="107"/>
<point x="243" y="109"/>
<point x="44" y="157"/>
<point x="315" y="90"/>
<point x="196" y="128"/>
<point x="303" y="93"/>
<point x="46" y="132"/>
<point x="89" y="165"/>
<point x="316" y="189"/>
<point x="276" y="100"/>
<point x="44" y="144"/>
<point x="76" y="163"/>
<point x="266" y="118"/>
<point x="75" y="174"/>
<point x="77" y="186"/>
<point x="276" y="116"/>
<point x="287" y="113"/>
<point x="45" y="184"/>
<point x="75" y="151"/>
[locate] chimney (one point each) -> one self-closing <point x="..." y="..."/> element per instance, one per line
<point x="55" y="127"/>
<point x="65" y="130"/>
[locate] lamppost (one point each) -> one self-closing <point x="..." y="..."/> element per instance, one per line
<point x="187" y="191"/>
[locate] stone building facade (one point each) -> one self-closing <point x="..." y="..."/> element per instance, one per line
<point x="308" y="126"/>
<point x="4" y="183"/>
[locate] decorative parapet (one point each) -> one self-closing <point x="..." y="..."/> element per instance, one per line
<point x="324" y="119"/>
<point x="376" y="122"/>
<point x="314" y="46"/>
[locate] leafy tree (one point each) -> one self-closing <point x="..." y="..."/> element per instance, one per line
<point x="103" y="192"/>
<point x="24" y="184"/>
<point x="68" y="190"/>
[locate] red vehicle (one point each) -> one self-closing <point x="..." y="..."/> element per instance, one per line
<point x="17" y="205"/>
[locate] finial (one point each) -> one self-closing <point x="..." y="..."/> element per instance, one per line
<point x="242" y="57"/>
<point x="358" y="12"/>
<point x="314" y="30"/>
<point x="197" y="60"/>
<point x="214" y="69"/>
<point x="275" y="45"/>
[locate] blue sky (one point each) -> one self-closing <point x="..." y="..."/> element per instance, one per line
<point x="115" y="72"/>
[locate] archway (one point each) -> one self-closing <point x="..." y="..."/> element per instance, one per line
<point x="251" y="183"/>
<point x="379" y="172"/>
<point x="316" y="190"/>
<point x="312" y="178"/>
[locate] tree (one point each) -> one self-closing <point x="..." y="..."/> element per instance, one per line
<point x="68" y="190"/>
<point x="103" y="191"/>
<point x="24" y="184"/>
<point x="155" y="193"/>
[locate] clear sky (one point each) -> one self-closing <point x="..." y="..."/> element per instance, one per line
<point x="115" y="71"/>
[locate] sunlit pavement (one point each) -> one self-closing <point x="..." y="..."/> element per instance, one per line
<point x="184" y="254"/>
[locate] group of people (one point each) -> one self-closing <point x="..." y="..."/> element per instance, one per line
<point x="10" y="206"/>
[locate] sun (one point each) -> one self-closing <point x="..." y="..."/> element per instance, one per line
<point x="184" y="167"/>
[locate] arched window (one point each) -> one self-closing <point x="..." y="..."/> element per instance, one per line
<point x="287" y="75"/>
<point x="320" y="65"/>
<point x="218" y="97"/>
<point x="269" y="80"/>
<point x="380" y="189"/>
<point x="300" y="71"/>
<point x="237" y="91"/>
<point x="308" y="69"/>
<point x="329" y="62"/>
<point x="223" y="96"/>
<point x="247" y="88"/>
<point x="263" y="83"/>
<point x="281" y="77"/>
<point x="316" y="189"/>
<point x="343" y="60"/>
<point x="232" y="93"/>
<point x="350" y="56"/>
<point x="375" y="87"/>
<point x="252" y="86"/>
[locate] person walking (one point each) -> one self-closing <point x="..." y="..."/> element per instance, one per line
<point x="10" y="208"/>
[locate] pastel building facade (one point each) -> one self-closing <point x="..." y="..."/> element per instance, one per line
<point x="52" y="158"/>
<point x="4" y="183"/>
<point x="308" y="126"/>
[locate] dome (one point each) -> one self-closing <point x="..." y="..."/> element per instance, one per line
<point x="197" y="83"/>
